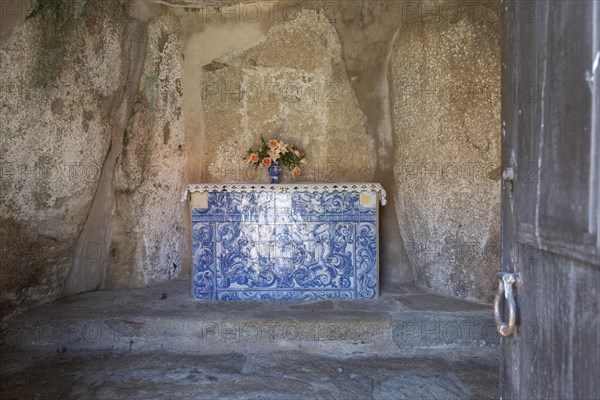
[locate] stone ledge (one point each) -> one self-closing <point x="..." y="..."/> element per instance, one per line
<point x="166" y="318"/>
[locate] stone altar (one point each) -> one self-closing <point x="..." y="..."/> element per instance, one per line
<point x="285" y="241"/>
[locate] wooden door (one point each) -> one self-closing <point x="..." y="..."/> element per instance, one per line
<point x="550" y="211"/>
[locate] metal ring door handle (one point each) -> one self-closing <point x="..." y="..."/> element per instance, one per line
<point x="505" y="287"/>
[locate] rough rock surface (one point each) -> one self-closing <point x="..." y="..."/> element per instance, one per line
<point x="446" y="84"/>
<point x="148" y="228"/>
<point x="53" y="127"/>
<point x="294" y="85"/>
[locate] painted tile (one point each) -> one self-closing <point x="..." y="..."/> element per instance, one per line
<point x="277" y="246"/>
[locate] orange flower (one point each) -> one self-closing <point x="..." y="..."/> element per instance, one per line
<point x="273" y="144"/>
<point x="253" y="159"/>
<point x="267" y="161"/>
<point x="296" y="171"/>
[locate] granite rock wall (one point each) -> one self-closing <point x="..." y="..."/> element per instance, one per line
<point x="56" y="99"/>
<point x="445" y="79"/>
<point x="294" y="86"/>
<point x="147" y="226"/>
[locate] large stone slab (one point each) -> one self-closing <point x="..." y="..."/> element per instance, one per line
<point x="446" y="91"/>
<point x="293" y="85"/>
<point x="56" y="99"/>
<point x="148" y="226"/>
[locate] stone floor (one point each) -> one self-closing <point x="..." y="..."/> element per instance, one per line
<point x="158" y="343"/>
<point x="281" y="375"/>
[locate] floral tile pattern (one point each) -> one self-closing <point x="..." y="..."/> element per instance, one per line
<point x="276" y="246"/>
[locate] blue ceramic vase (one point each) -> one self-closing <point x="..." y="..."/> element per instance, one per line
<point x="274" y="171"/>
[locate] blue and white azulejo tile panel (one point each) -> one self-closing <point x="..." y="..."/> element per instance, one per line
<point x="280" y="246"/>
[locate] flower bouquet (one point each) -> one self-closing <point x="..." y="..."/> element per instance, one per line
<point x="273" y="153"/>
